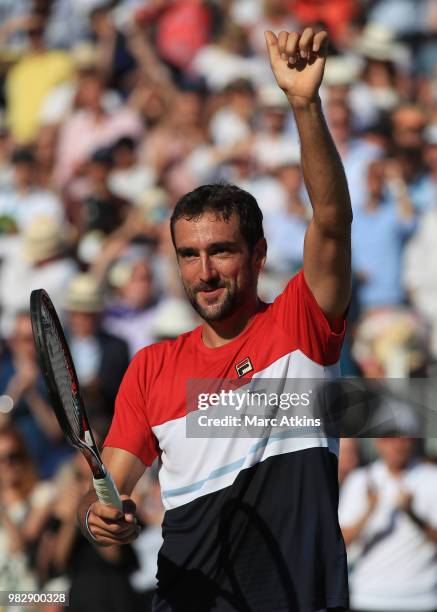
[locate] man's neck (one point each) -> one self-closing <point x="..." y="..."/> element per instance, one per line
<point x="219" y="333"/>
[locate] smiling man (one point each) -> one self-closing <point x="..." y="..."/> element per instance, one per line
<point x="250" y="524"/>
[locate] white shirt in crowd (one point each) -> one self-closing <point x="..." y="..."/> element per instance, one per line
<point x="24" y="208"/>
<point x="395" y="564"/>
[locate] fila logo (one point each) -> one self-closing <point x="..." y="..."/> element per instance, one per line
<point x="244" y="367"/>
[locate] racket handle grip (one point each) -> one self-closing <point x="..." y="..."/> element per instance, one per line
<point x="107" y="491"/>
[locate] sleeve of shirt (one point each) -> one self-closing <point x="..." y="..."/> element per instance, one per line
<point x="353" y="499"/>
<point x="425" y="497"/>
<point x="298" y="313"/>
<point x="130" y="429"/>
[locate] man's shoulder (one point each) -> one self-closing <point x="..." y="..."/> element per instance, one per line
<point x="424" y="471"/>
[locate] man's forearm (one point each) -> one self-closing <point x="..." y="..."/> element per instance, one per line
<point x="322" y="168"/>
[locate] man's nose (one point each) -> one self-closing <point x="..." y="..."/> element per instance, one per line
<point x="207" y="270"/>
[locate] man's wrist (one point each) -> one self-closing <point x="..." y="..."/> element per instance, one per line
<point x="298" y="103"/>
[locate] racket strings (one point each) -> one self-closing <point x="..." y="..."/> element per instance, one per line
<point x="61" y="367"/>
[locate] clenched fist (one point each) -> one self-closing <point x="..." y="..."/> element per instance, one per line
<point x="111" y="526"/>
<point x="298" y="62"/>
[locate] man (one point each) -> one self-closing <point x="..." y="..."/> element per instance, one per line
<point x="101" y="358"/>
<point x="248" y="525"/>
<point x="388" y="513"/>
<point x="29" y="81"/>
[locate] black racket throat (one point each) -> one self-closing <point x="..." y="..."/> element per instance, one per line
<point x="60" y="377"/>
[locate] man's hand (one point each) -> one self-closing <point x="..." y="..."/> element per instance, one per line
<point x="298" y="62"/>
<point x="111" y="526"/>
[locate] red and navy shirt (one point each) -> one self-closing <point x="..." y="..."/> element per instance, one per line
<point x="250" y="524"/>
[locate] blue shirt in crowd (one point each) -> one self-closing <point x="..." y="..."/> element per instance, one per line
<point x="378" y="238"/>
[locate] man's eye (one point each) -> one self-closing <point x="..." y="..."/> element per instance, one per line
<point x="220" y="251"/>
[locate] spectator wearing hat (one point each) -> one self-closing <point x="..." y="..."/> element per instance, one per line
<point x="388" y="510"/>
<point x="100" y="358"/>
<point x="132" y="311"/>
<point x="271" y="143"/>
<point x="38" y="259"/>
<point x="383" y="61"/>
<point x="173" y="318"/>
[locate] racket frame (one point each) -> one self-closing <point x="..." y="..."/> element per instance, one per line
<point x="87" y="445"/>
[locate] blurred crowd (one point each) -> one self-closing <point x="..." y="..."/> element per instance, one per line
<point x="109" y="112"/>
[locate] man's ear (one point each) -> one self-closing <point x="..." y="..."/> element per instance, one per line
<point x="260" y="253"/>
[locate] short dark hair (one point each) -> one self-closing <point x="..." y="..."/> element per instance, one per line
<point x="222" y="199"/>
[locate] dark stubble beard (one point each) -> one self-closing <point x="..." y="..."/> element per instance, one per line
<point x="219" y="311"/>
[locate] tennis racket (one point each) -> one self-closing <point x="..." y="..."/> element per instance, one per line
<point x="61" y="381"/>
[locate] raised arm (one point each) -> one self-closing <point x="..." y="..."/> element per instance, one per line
<point x="298" y="62"/>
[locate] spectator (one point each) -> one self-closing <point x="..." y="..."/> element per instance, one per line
<point x="232" y="122"/>
<point x="355" y="152"/>
<point x="21" y="382"/>
<point x="39" y="258"/>
<point x="30" y="80"/>
<point x="349" y="458"/>
<point x="181" y="28"/>
<point x="229" y="51"/>
<point x="101" y="359"/>
<point x="379" y="231"/>
<point x="98" y="576"/>
<point x="377" y="91"/>
<point x="177" y="134"/>
<point x="98" y="127"/>
<point x="425" y="192"/>
<point x="390" y="343"/>
<point x="285" y="230"/>
<point x="335" y="16"/>
<point x="24" y="504"/>
<point x="92" y="206"/>
<point x="26" y="200"/>
<point x="117" y="63"/>
<point x="272" y="142"/>
<point x="128" y="178"/>
<point x="388" y="509"/>
<point x="63" y="99"/>
<point x="131" y="313"/>
<point x="420" y="278"/>
<point x="408" y="123"/>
